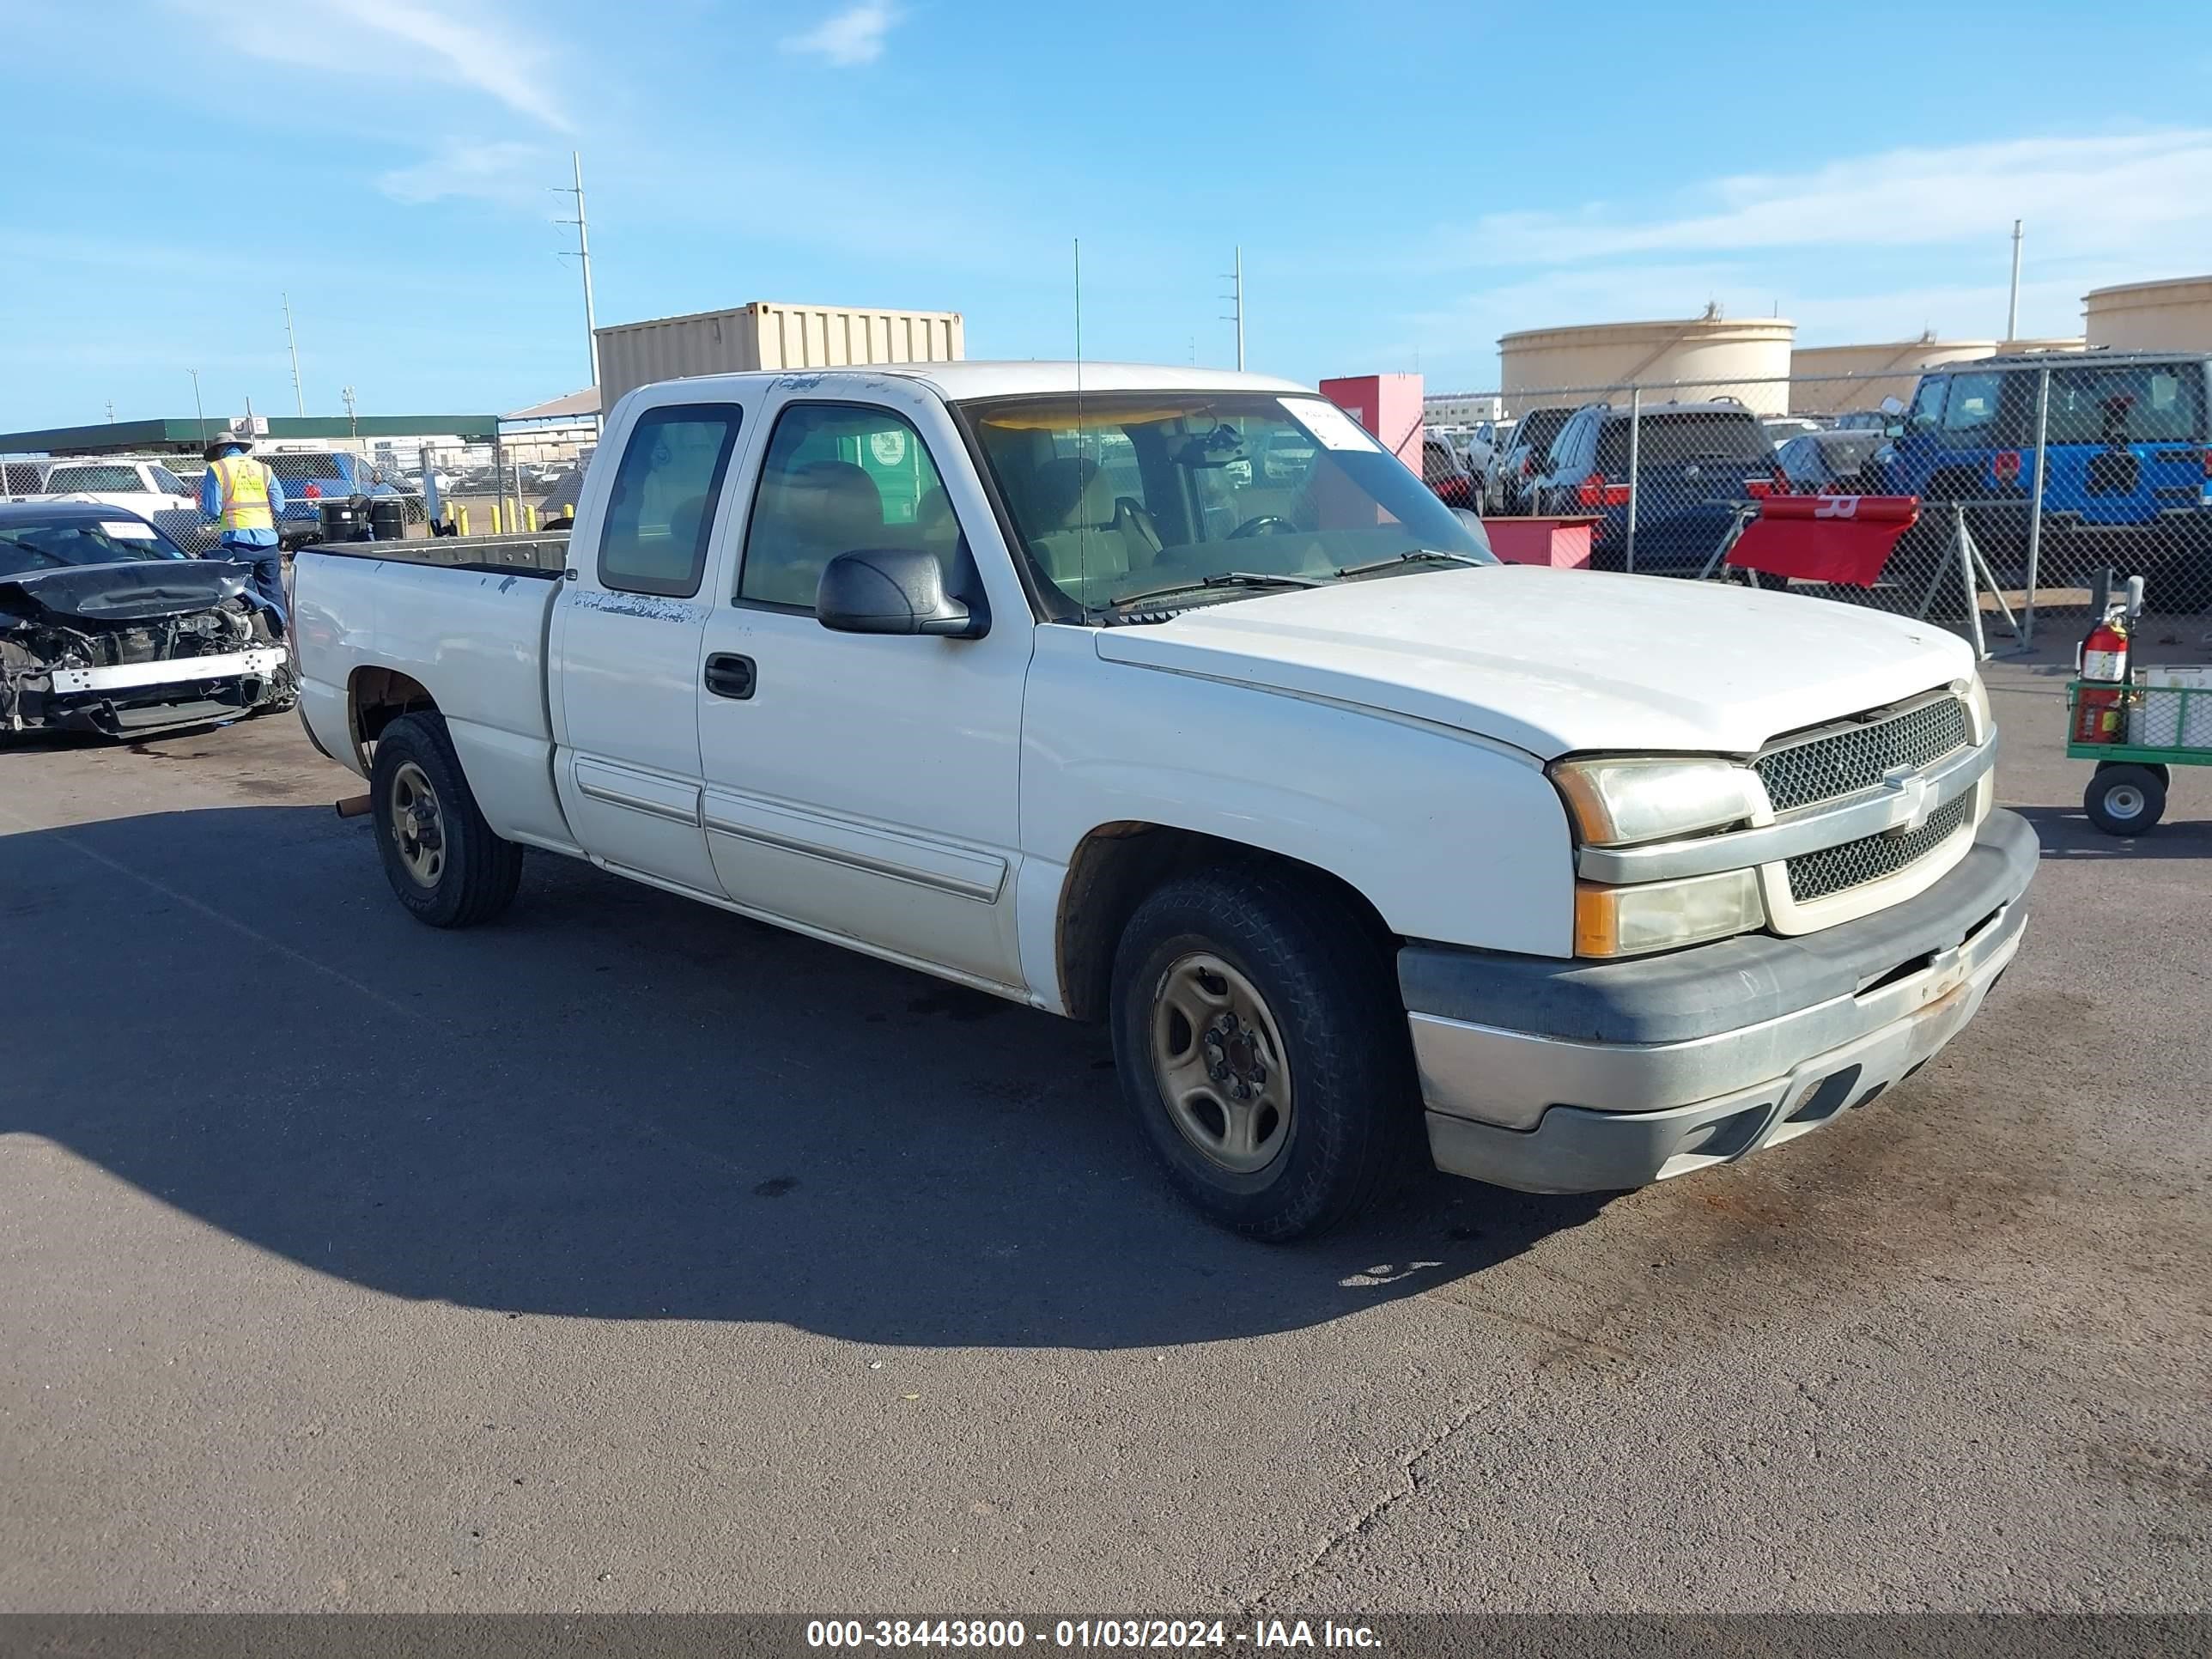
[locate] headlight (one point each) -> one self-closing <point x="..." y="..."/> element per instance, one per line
<point x="1618" y="802"/>
<point x="1978" y="701"/>
<point x="1659" y="915"/>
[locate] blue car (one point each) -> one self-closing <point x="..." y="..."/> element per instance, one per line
<point x="2128" y="448"/>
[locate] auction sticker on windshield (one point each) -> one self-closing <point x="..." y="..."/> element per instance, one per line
<point x="122" y="529"/>
<point x="1327" y="424"/>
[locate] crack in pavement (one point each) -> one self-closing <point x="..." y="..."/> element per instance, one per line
<point x="1369" y="1518"/>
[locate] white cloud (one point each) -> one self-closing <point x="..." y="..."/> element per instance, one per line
<point x="462" y="43"/>
<point x="854" y="36"/>
<point x="2079" y="195"/>
<point x="513" y="175"/>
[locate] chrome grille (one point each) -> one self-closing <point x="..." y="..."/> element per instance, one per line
<point x="1834" y="869"/>
<point x="1856" y="758"/>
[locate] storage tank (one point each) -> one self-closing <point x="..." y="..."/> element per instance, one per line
<point x="2174" y="315"/>
<point x="2055" y="343"/>
<point x="1820" y="396"/>
<point x="1677" y="359"/>
<point x="767" y="335"/>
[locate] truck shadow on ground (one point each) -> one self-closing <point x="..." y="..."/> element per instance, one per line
<point x="616" y="1103"/>
<point x="2067" y="833"/>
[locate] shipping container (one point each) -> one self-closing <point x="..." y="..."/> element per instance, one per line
<point x="765" y="334"/>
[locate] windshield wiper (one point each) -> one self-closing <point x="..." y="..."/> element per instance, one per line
<point x="1220" y="579"/>
<point x="1415" y="556"/>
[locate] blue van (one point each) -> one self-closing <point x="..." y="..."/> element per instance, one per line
<point x="336" y="474"/>
<point x="2128" y="445"/>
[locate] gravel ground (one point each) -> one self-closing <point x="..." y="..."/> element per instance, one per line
<point x="629" y="1255"/>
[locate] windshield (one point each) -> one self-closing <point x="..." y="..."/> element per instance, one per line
<point x="34" y="544"/>
<point x="1679" y="440"/>
<point x="62" y="480"/>
<point x="165" y="479"/>
<point x="1124" y="494"/>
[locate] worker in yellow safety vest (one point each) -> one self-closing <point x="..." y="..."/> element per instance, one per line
<point x="246" y="502"/>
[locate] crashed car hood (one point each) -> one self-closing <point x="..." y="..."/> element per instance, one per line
<point x="133" y="590"/>
<point x="1558" y="661"/>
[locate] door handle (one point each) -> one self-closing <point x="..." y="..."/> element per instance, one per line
<point x="730" y="676"/>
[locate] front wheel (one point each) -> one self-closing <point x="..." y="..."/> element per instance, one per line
<point x="2124" y="799"/>
<point x="1261" y="1043"/>
<point x="443" y="860"/>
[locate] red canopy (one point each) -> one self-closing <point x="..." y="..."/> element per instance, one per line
<point x="1825" y="539"/>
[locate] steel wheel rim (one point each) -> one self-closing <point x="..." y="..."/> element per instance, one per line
<point x="418" y="825"/>
<point x="1218" y="1058"/>
<point x="2124" y="800"/>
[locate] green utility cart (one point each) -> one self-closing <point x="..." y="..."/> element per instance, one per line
<point x="2164" y="719"/>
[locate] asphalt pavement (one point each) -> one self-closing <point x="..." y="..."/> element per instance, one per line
<point x="626" y="1254"/>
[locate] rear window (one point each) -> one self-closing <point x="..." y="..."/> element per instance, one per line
<point x="2130" y="403"/>
<point x="62" y="480"/>
<point x="1677" y="440"/>
<point x="301" y="467"/>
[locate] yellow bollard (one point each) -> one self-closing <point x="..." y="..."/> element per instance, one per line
<point x="494" y="518"/>
<point x="461" y="520"/>
<point x="530" y="518"/>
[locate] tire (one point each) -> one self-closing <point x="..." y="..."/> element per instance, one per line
<point x="1300" y="1006"/>
<point x="2124" y="799"/>
<point x="460" y="874"/>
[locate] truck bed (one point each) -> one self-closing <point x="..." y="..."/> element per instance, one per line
<point x="466" y="619"/>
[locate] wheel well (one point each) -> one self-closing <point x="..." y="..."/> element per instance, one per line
<point x="1118" y="865"/>
<point x="378" y="696"/>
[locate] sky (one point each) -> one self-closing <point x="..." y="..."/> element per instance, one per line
<point x="1405" y="182"/>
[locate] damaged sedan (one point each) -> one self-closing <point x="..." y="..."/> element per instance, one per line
<point x="107" y="626"/>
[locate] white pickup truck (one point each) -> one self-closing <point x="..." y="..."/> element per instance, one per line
<point x="1026" y="675"/>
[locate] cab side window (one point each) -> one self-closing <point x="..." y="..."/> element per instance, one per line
<point x="1928" y="404"/>
<point x="838" y="478"/>
<point x="661" y="510"/>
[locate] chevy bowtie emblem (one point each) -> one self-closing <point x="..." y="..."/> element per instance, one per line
<point x="1915" y="800"/>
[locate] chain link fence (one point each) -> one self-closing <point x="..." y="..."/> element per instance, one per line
<point x="2020" y="476"/>
<point x="501" y="487"/>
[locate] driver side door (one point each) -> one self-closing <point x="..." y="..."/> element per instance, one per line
<point x="862" y="787"/>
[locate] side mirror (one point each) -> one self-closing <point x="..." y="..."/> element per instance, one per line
<point x="892" y="590"/>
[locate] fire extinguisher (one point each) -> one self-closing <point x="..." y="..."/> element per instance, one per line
<point x="2104" y="678"/>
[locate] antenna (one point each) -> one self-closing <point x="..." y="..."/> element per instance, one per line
<point x="345" y="397"/>
<point x="1234" y="278"/>
<point x="1082" y="535"/>
<point x="111" y="410"/>
<point x="582" y="255"/>
<point x="299" y="402"/>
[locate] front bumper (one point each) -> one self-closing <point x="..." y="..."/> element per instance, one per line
<point x="1566" y="1077"/>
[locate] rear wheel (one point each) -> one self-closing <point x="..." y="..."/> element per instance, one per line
<point x="1260" y="1041"/>
<point x="443" y="860"/>
<point x="2124" y="799"/>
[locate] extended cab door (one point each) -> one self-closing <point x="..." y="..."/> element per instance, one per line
<point x="626" y="631"/>
<point x="864" y="786"/>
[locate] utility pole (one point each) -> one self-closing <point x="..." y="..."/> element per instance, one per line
<point x="299" y="402"/>
<point x="111" y="411"/>
<point x="2012" y="311"/>
<point x="346" y="396"/>
<point x="199" y="408"/>
<point x="583" y="258"/>
<point x="1236" y="296"/>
